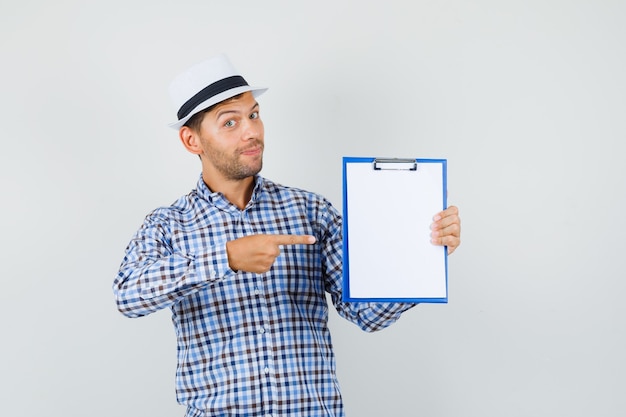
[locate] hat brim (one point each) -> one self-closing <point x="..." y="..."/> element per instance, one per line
<point x="256" y="91"/>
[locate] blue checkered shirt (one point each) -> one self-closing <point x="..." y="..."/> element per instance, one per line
<point x="248" y="344"/>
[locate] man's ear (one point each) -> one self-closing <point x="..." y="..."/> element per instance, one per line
<point x="190" y="140"/>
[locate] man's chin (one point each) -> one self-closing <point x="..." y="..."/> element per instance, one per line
<point x="250" y="171"/>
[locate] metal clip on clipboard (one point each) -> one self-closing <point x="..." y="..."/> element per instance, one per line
<point x="397" y="164"/>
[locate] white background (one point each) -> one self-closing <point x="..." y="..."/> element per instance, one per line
<point x="526" y="100"/>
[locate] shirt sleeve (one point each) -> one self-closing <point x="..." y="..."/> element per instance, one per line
<point x="369" y="316"/>
<point x="153" y="276"/>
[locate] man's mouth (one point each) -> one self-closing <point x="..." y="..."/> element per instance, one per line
<point x="255" y="150"/>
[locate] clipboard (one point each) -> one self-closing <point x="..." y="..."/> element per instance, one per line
<point x="388" y="207"/>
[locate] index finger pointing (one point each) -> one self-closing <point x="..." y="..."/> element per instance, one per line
<point x="293" y="239"/>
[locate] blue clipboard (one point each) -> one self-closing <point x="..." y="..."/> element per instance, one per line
<point x="388" y="206"/>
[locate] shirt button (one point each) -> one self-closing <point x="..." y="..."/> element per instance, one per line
<point x="267" y="370"/>
<point x="261" y="330"/>
<point x="256" y="291"/>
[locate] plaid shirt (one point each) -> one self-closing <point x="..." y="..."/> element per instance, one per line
<point x="248" y="344"/>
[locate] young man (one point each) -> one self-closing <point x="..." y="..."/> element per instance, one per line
<point x="244" y="264"/>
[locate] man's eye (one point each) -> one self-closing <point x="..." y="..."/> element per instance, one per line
<point x="254" y="115"/>
<point x="230" y="123"/>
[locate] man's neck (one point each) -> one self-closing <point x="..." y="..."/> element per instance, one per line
<point x="238" y="192"/>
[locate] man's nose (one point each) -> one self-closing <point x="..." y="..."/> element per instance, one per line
<point x="252" y="129"/>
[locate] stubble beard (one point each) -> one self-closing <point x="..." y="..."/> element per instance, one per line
<point x="232" y="166"/>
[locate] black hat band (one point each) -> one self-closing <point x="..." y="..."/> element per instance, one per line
<point x="209" y="91"/>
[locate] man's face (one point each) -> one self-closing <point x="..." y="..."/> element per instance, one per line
<point x="231" y="136"/>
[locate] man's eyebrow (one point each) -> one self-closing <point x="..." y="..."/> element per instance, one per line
<point x="227" y="111"/>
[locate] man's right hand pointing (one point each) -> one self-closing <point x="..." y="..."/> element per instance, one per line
<point x="257" y="253"/>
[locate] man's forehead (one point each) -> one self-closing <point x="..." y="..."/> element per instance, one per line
<point x="243" y="99"/>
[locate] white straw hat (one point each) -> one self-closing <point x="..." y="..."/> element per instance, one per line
<point x="206" y="84"/>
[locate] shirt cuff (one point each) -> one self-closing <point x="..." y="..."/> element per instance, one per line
<point x="213" y="266"/>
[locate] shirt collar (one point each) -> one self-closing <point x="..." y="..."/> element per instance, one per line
<point x="217" y="198"/>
